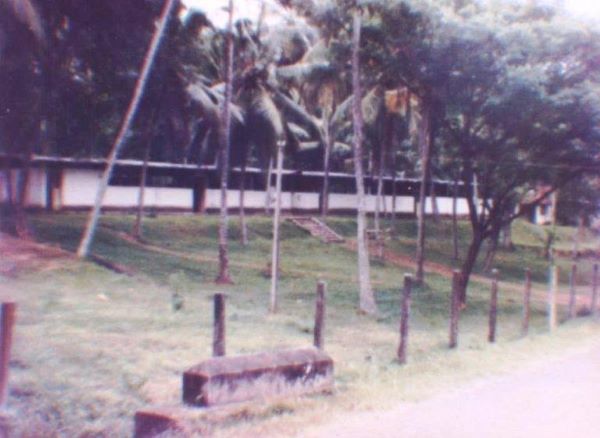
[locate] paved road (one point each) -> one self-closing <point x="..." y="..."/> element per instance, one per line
<point x="557" y="399"/>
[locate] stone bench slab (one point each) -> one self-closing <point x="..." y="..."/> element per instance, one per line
<point x="223" y="380"/>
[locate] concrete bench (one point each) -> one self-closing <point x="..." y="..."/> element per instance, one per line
<point x="222" y="380"/>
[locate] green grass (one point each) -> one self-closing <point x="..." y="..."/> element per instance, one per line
<point x="93" y="346"/>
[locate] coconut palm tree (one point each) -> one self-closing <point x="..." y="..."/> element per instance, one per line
<point x="367" y="300"/>
<point x="90" y="228"/>
<point x="224" y="140"/>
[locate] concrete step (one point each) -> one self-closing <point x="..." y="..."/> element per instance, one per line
<point x="317" y="229"/>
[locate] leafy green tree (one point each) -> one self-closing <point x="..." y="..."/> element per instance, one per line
<point x="22" y="39"/>
<point x="518" y="114"/>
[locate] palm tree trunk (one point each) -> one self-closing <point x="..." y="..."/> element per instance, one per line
<point x="148" y="136"/>
<point x="326" y="164"/>
<point x="276" y="222"/>
<point x="394" y="196"/>
<point x="424" y="143"/>
<point x="268" y="187"/>
<point x="224" y="140"/>
<point x="137" y="226"/>
<point x="90" y="229"/>
<point x="243" y="224"/>
<point x="378" y="198"/>
<point x="435" y="211"/>
<point x="367" y="298"/>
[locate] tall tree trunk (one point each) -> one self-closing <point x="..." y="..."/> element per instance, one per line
<point x="394" y="196"/>
<point x="268" y="187"/>
<point x="424" y="147"/>
<point x="21" y="223"/>
<point x="137" y="226"/>
<point x="276" y="222"/>
<point x="148" y="136"/>
<point x="224" y="140"/>
<point x="326" y="164"/>
<point x="243" y="224"/>
<point x="90" y="229"/>
<point x="435" y="211"/>
<point x="578" y="236"/>
<point x="367" y="298"/>
<point x="454" y="221"/>
<point x="378" y="198"/>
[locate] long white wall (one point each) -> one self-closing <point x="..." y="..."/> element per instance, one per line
<point x="444" y="206"/>
<point x="257" y="199"/>
<point x="78" y="190"/>
<point x="36" y="189"/>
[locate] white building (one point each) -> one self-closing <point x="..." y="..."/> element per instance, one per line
<point x="70" y="184"/>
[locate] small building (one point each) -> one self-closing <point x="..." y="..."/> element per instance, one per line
<point x="58" y="183"/>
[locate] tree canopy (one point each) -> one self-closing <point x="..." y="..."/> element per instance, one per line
<point x="504" y="95"/>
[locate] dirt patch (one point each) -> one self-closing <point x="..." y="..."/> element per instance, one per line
<point x="19" y="255"/>
<point x="408" y="262"/>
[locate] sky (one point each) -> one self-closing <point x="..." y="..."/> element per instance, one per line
<point x="590" y="8"/>
<point x="242" y="9"/>
<point x="587" y="9"/>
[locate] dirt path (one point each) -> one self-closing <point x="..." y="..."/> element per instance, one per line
<point x="407" y="262"/>
<point x="557" y="399"/>
<point x="18" y="254"/>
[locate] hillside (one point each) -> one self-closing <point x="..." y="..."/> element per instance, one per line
<point x="93" y="346"/>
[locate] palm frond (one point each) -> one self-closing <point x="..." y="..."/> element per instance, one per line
<point x="206" y="100"/>
<point x="303" y="72"/>
<point x="372" y="105"/>
<point x="317" y="53"/>
<point x="297" y="114"/>
<point x="264" y="126"/>
<point x="209" y="100"/>
<point x="299" y="132"/>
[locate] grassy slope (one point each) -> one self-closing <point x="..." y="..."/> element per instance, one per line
<point x="93" y="346"/>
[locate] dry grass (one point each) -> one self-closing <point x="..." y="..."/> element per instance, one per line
<point x="93" y="346"/>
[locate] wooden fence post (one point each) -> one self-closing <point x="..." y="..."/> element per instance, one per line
<point x="454" y="310"/>
<point x="553" y="280"/>
<point x="594" y="309"/>
<point x="573" y="292"/>
<point x="320" y="314"/>
<point x="219" y="325"/>
<point x="404" y="317"/>
<point x="493" y="307"/>
<point x="526" y="303"/>
<point x="7" y="323"/>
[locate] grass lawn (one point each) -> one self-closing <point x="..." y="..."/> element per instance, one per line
<point x="93" y="346"/>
